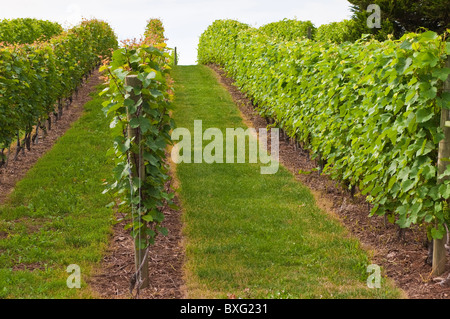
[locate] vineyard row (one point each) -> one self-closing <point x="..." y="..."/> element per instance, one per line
<point x="37" y="79"/>
<point x="368" y="111"/>
<point x="27" y="30"/>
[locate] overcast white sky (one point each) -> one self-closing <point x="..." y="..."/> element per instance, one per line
<point x="184" y="21"/>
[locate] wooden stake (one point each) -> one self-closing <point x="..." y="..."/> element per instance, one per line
<point x="439" y="251"/>
<point x="2" y="157"/>
<point x="176" y="56"/>
<point x="141" y="257"/>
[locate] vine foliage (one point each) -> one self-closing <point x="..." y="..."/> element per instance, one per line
<point x="27" y="30"/>
<point x="35" y="78"/>
<point x="141" y="178"/>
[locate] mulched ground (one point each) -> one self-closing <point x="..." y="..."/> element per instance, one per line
<point x="16" y="170"/>
<point x="403" y="259"/>
<point x="112" y="278"/>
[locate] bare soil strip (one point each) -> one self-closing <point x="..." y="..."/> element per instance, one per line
<point x="166" y="256"/>
<point x="402" y="257"/>
<point x="16" y="170"/>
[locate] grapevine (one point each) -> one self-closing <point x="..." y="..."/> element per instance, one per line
<point x="141" y="128"/>
<point x="35" y="78"/>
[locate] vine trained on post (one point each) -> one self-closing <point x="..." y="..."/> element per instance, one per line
<point x="139" y="98"/>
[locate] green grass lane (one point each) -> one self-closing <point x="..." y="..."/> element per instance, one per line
<point x="56" y="215"/>
<point x="253" y="235"/>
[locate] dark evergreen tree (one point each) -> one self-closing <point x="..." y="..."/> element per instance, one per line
<point x="400" y="16"/>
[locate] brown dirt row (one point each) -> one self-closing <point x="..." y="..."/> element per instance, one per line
<point x="112" y="278"/>
<point x="403" y="259"/>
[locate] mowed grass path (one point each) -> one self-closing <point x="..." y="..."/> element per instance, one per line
<point x="56" y="215"/>
<point x="253" y="235"/>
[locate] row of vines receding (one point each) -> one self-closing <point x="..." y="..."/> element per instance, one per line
<point x="27" y="30"/>
<point x="37" y="79"/>
<point x="368" y="110"/>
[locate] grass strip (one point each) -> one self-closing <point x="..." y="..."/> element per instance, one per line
<point x="252" y="235"/>
<point x="56" y="216"/>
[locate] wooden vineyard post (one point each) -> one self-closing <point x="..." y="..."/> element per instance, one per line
<point x="309" y="33"/>
<point x="141" y="258"/>
<point x="176" y="56"/>
<point x="439" y="251"/>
